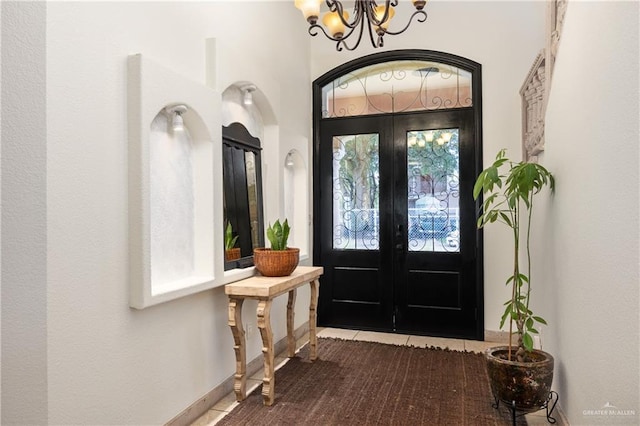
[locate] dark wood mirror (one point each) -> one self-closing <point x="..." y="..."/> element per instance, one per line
<point x="242" y="193"/>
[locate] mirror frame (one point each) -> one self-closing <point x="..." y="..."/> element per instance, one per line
<point x="236" y="191"/>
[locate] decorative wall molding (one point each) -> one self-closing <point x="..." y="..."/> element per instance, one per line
<point x="537" y="85"/>
<point x="556" y="11"/>
<point x="534" y="101"/>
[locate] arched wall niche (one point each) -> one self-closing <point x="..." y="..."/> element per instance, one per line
<point x="235" y="111"/>
<point x="172" y="186"/>
<point x="260" y="120"/>
<point x="180" y="199"/>
<point x="296" y="200"/>
<point x="252" y="117"/>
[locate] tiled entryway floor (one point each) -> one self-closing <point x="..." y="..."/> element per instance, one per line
<point x="228" y="403"/>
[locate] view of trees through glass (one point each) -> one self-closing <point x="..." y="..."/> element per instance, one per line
<point x="433" y="190"/>
<point x="432" y="198"/>
<point x="356" y="178"/>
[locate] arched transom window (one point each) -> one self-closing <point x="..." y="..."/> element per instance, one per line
<point x="398" y="86"/>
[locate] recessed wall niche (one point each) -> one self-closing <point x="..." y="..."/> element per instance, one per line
<point x="296" y="200"/>
<point x="175" y="198"/>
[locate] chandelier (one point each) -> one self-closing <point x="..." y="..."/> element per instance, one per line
<point x="366" y="13"/>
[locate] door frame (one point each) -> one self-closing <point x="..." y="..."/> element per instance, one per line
<point x="397" y="55"/>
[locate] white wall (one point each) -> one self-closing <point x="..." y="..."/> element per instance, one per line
<point x="504" y="37"/>
<point x="587" y="256"/>
<point x="24" y="269"/>
<point x="93" y="359"/>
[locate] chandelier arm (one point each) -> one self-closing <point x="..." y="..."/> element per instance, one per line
<point x="358" y="15"/>
<point x="422" y="18"/>
<point x="313" y="31"/>
<point x="364" y="9"/>
<point x="371" y="37"/>
<point x="372" y="16"/>
<point x="344" y="42"/>
<point x="333" y="5"/>
<point x="321" y="28"/>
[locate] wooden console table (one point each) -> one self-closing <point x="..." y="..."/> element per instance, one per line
<point x="265" y="289"/>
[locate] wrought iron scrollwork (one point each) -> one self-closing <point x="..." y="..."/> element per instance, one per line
<point x="400" y="86"/>
<point x="433" y="190"/>
<point x="364" y="15"/>
<point x="356" y="220"/>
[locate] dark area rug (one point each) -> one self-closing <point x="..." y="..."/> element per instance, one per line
<point x="362" y="383"/>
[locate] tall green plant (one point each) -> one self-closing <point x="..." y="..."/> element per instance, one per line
<point x="509" y="199"/>
<point x="278" y="235"/>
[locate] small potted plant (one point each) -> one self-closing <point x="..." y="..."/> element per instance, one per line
<point x="279" y="260"/>
<point x="231" y="252"/>
<point x="520" y="375"/>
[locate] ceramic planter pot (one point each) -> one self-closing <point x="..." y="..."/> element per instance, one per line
<point x="276" y="263"/>
<point x="526" y="383"/>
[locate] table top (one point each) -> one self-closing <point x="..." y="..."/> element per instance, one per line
<point x="260" y="287"/>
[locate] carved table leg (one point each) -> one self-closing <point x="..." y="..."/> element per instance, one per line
<point x="264" y="324"/>
<point x="291" y="338"/>
<point x="235" y="322"/>
<point x="313" y="304"/>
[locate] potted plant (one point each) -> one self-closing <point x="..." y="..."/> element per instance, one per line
<point x="520" y="375"/>
<point x="231" y="252"/>
<point x="279" y="260"/>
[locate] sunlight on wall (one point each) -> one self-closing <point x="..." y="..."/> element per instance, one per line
<point x="172" y="215"/>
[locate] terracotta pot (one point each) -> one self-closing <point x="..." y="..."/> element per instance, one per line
<point x="276" y="263"/>
<point x="526" y="383"/>
<point x="232" y="254"/>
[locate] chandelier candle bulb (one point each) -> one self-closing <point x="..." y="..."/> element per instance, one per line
<point x="310" y="9"/>
<point x="334" y="24"/>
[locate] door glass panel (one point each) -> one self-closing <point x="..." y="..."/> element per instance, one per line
<point x="433" y="183"/>
<point x="398" y="86"/>
<point x="356" y="177"/>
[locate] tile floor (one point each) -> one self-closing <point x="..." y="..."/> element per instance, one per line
<point x="228" y="403"/>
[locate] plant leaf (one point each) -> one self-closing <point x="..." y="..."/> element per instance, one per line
<point x="277" y="229"/>
<point x="527" y="341"/>
<point x="285" y="234"/>
<point x="271" y="236"/>
<point x="540" y="320"/>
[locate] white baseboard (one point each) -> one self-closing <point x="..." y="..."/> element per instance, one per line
<point x="497" y="336"/>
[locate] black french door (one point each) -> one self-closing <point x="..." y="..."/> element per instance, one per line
<point x="395" y="223"/>
<point x="355" y="234"/>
